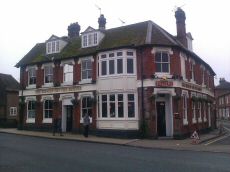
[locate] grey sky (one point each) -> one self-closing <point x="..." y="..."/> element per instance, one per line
<point x="27" y="22"/>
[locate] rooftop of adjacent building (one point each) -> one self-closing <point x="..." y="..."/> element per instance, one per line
<point x="223" y="84"/>
<point x="8" y="82"/>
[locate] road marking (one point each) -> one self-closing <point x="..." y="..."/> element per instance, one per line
<point x="213" y="141"/>
<point x="227" y="129"/>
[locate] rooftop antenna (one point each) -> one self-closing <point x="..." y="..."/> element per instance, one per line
<point x="122" y="22"/>
<point x="176" y="7"/>
<point x="99" y="8"/>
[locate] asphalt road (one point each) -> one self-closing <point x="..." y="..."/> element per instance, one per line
<point x="31" y="154"/>
<point x="226" y="138"/>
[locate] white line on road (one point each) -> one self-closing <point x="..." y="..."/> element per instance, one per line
<point x="213" y="141"/>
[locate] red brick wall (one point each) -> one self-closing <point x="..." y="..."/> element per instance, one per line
<point x="12" y="101"/>
<point x="175" y="64"/>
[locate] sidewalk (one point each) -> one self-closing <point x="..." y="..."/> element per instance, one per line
<point x="185" y="144"/>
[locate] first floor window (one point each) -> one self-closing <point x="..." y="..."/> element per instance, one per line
<point x="86" y="70"/>
<point x="48" y="74"/>
<point x="130" y="67"/>
<point x="103" y="67"/>
<point x="13" y="111"/>
<point x="32" y="76"/>
<point x="48" y="109"/>
<point x="119" y="66"/>
<point x="117" y="105"/>
<point x="86" y="106"/>
<point x="31" y="109"/>
<point x="162" y="61"/>
<point x="68" y="73"/>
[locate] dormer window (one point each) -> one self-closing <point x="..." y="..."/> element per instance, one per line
<point x="90" y="40"/>
<point x="52" y="47"/>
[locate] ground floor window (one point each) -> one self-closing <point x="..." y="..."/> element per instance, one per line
<point x="13" y="111"/>
<point x="86" y="106"/>
<point x="48" y="109"/>
<point x="117" y="105"/>
<point x="31" y="110"/>
<point x="205" y="114"/>
<point x="199" y="111"/>
<point x="194" y="112"/>
<point x="185" y="108"/>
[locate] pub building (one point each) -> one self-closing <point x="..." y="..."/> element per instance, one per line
<point x="135" y="80"/>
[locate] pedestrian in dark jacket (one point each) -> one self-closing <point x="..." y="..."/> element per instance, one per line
<point x="86" y="122"/>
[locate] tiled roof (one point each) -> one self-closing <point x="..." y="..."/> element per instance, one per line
<point x="144" y="33"/>
<point x="8" y="82"/>
<point x="223" y="85"/>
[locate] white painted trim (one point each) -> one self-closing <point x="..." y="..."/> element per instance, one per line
<point x="84" y="94"/>
<point x="66" y="96"/>
<point x="47" y="64"/>
<point x="170" y="91"/>
<point x="47" y="120"/>
<point x="85" y="58"/>
<point x="34" y="66"/>
<point x="30" y="120"/>
<point x="165" y="49"/>
<point x="71" y="61"/>
<point x="30" y="98"/>
<point x="47" y="97"/>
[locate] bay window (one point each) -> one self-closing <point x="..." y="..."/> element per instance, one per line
<point x="117" y="106"/>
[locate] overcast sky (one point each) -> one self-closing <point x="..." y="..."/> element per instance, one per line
<point x="27" y="22"/>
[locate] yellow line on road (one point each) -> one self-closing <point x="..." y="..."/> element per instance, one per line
<point x="213" y="141"/>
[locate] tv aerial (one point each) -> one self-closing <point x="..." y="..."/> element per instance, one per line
<point x="99" y="8"/>
<point x="176" y="7"/>
<point x="122" y="21"/>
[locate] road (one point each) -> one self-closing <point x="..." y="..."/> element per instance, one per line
<point x="26" y="154"/>
<point x="225" y="140"/>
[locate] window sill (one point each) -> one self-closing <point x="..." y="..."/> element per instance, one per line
<point x="185" y="122"/>
<point x="86" y="81"/>
<point x="162" y="74"/>
<point x="117" y="119"/>
<point x="67" y="83"/>
<point x="31" y="86"/>
<point x="47" y="85"/>
<point x="48" y="120"/>
<point x="199" y="120"/>
<point x="30" y="120"/>
<point x="194" y="121"/>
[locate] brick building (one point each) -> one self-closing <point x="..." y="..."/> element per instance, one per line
<point x="9" y="89"/>
<point x="222" y="95"/>
<point x="131" y="79"/>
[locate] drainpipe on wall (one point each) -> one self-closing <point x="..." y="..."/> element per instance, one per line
<point x="143" y="125"/>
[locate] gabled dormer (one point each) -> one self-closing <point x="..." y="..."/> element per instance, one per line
<point x="54" y="45"/>
<point x="91" y="37"/>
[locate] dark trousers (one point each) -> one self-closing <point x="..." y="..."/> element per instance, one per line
<point x="86" y="130"/>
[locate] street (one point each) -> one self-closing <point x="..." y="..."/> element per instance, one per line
<point x="24" y="153"/>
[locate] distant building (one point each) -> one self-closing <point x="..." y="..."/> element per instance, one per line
<point x="222" y="95"/>
<point x="131" y="79"/>
<point x="9" y="89"/>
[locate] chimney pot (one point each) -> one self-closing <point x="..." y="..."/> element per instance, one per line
<point x="73" y="30"/>
<point x="101" y="22"/>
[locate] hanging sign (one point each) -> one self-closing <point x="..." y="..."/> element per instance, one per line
<point x="164" y="83"/>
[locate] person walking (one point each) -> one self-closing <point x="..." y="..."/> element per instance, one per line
<point x="86" y="122"/>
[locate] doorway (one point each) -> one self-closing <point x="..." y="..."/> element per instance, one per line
<point x="69" y="118"/>
<point x="161" y="122"/>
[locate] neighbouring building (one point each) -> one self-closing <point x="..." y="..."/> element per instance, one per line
<point x="9" y="89"/>
<point x="222" y="95"/>
<point x="131" y="79"/>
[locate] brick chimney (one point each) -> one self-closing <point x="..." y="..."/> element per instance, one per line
<point x="180" y="24"/>
<point x="101" y="22"/>
<point x="73" y="30"/>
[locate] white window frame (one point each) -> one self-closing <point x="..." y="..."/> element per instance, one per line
<point x="209" y="114"/>
<point x="67" y="62"/>
<point x="90" y="39"/>
<point x="53" y="47"/>
<point x="205" y="111"/>
<point x="30" y="98"/>
<point x="88" y="108"/>
<point x="125" y="106"/>
<point x="161" y="62"/>
<point x="185" y="106"/>
<point x="13" y="111"/>
<point x="87" y="80"/>
<point x="199" y="111"/>
<point x="124" y="57"/>
<point x="46" y="97"/>
<point x="47" y="120"/>
<point x="28" y="69"/>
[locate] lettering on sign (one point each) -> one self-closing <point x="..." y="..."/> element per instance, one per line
<point x="191" y="86"/>
<point x="164" y="83"/>
<point x="58" y="90"/>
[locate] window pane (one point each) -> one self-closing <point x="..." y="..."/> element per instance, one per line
<point x="165" y="67"/>
<point x="129" y="53"/>
<point x="104" y="97"/>
<point x="112" y="109"/>
<point x="119" y="66"/>
<point x="104" y="109"/>
<point x="119" y="53"/>
<point x="165" y="57"/>
<point x="120" y="97"/>
<point x="130" y="97"/>
<point x="158" y="67"/>
<point x="131" y="110"/>
<point x="111" y="55"/>
<point x="103" y="56"/>
<point x="120" y="106"/>
<point x="112" y="97"/>
<point x="111" y="67"/>
<point x="129" y="65"/>
<point x="158" y="57"/>
<point x="103" y="68"/>
<point x="84" y="74"/>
